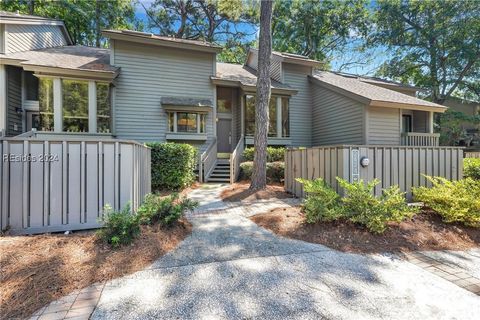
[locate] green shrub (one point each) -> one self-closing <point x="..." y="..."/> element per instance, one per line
<point x="173" y="165"/>
<point x="471" y="168"/>
<point x="275" y="171"/>
<point x="119" y="227"/>
<point x="166" y="210"/>
<point x="455" y="201"/>
<point x="274" y="154"/>
<point x="322" y="202"/>
<point x="361" y="206"/>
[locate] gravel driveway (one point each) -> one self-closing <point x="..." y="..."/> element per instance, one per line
<point x="231" y="269"/>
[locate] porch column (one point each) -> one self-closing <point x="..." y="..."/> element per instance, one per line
<point x="430" y="121"/>
<point x="92" y="107"/>
<point x="57" y="105"/>
<point x="3" y="98"/>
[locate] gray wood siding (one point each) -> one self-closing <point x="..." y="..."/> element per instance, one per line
<point x="300" y="109"/>
<point x="147" y="74"/>
<point x="383" y="126"/>
<point x="275" y="68"/>
<point x="336" y="118"/>
<point x="30" y="37"/>
<point x="14" y="100"/>
<point x="420" y="121"/>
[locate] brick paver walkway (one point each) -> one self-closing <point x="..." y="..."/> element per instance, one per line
<point x="448" y="271"/>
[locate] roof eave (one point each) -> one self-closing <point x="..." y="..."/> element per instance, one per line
<point x="401" y="105"/>
<point x="160" y="42"/>
<point x="72" y="73"/>
<point x="250" y="88"/>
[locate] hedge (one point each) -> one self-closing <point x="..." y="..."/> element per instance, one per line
<point x="273" y="154"/>
<point x="173" y="165"/>
<point x="471" y="168"/>
<point x="275" y="171"/>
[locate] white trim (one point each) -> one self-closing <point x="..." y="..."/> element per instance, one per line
<point x="242" y="113"/>
<point x="2" y="38"/>
<point x="92" y="107"/>
<point x="279" y="116"/>
<point x="3" y="98"/>
<point x="57" y="105"/>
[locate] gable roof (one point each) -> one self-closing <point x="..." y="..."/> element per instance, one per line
<point x="370" y="94"/>
<point x="153" y="39"/>
<point x="17" y="18"/>
<point x="245" y="77"/>
<point x="290" y="58"/>
<point x="64" y="60"/>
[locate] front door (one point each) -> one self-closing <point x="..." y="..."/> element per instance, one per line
<point x="224" y="135"/>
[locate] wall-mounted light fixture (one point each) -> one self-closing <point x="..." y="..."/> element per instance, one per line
<point x="18" y="110"/>
<point x="364" y="162"/>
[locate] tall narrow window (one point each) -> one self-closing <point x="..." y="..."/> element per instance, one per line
<point x="285" y="118"/>
<point x="272" y="115"/>
<point x="103" y="108"/>
<point x="406" y="123"/>
<point x="249" y="115"/>
<point x="75" y="105"/>
<point x="31" y="86"/>
<point x="45" y="97"/>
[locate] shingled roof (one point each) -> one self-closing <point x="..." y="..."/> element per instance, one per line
<point x="79" y="58"/>
<point x="369" y="93"/>
<point x="244" y="76"/>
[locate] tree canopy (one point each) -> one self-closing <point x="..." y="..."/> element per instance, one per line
<point x="433" y="44"/>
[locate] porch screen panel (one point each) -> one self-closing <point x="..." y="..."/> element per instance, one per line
<point x="103" y="108"/>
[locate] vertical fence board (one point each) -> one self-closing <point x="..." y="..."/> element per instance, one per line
<point x="393" y="165"/>
<point x="57" y="185"/>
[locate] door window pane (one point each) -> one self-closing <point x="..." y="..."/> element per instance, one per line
<point x="45" y="102"/>
<point x="75" y="105"/>
<point x="224" y="100"/>
<point x="103" y="108"/>
<point x="285" y="118"/>
<point x="186" y="122"/>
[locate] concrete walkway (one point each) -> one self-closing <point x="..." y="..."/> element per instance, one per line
<point x="229" y="268"/>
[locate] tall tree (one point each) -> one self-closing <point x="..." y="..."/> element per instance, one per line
<point x="229" y="23"/>
<point x="435" y="44"/>
<point x="319" y="28"/>
<point x="259" y="175"/>
<point x="84" y="18"/>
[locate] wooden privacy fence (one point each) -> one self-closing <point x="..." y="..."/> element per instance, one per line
<point x="393" y="165"/>
<point x="472" y="154"/>
<point x="56" y="185"/>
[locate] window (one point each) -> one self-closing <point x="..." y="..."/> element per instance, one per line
<point x="406" y="123"/>
<point x="103" y="108"/>
<point x="285" y="118"/>
<point x="75" y="105"/>
<point x="186" y="122"/>
<point x="31" y="86"/>
<point x="45" y="97"/>
<point x="249" y="115"/>
<point x="224" y="100"/>
<point x="273" y="115"/>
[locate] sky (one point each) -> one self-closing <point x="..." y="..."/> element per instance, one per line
<point x="370" y="61"/>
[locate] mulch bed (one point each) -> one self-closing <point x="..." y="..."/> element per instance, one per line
<point x="240" y="191"/>
<point x="425" y="231"/>
<point x="36" y="270"/>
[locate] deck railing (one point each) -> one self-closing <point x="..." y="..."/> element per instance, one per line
<point x="236" y="159"/>
<point x="207" y="161"/>
<point x="420" y="139"/>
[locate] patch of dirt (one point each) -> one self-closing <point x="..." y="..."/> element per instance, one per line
<point x="425" y="231"/>
<point x="182" y="193"/>
<point x="36" y="270"/>
<point x="239" y="192"/>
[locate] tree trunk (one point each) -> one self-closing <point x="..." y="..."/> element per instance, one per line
<point x="98" y="31"/>
<point x="259" y="175"/>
